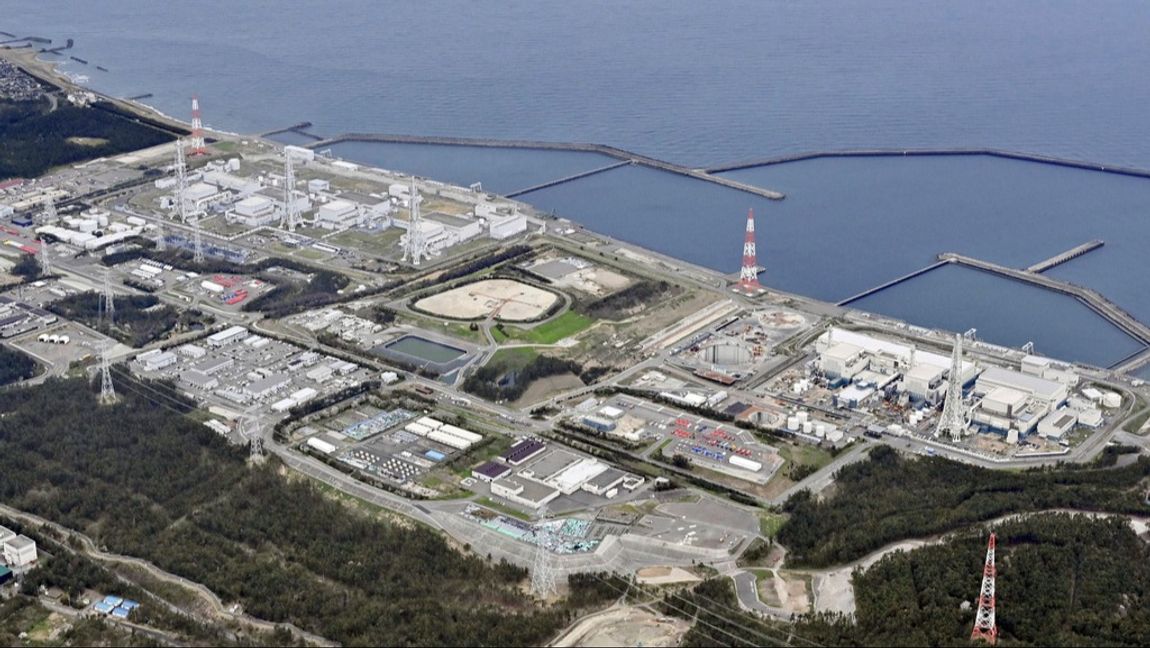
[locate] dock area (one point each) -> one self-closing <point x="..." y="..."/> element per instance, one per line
<point x="570" y="178"/>
<point x="893" y="282"/>
<point x="1107" y="309"/>
<point x="611" y="151"/>
<point x="931" y="152"/>
<point x="1072" y="253"/>
<point x="298" y="129"/>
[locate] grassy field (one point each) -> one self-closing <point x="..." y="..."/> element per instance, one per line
<point x="770" y="523"/>
<point x="502" y="508"/>
<point x="565" y="325"/>
<point x="514" y="358"/>
<point x="805" y="455"/>
<point x="381" y="244"/>
<point x="1135" y="424"/>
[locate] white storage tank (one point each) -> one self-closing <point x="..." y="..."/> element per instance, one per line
<point x="820" y="430"/>
<point x="792" y="423"/>
<point x="803" y="416"/>
<point x="1111" y="400"/>
<point x="808" y="427"/>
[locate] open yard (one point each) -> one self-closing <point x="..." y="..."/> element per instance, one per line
<point x="503" y="299"/>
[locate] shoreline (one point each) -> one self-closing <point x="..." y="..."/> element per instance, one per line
<point x="47" y="72"/>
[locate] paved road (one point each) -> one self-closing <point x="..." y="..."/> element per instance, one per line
<point x="208" y="597"/>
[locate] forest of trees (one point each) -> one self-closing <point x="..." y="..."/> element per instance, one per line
<point x="139" y="319"/>
<point x="289" y="295"/>
<point x="145" y="481"/>
<point x="37" y="138"/>
<point x="15" y="366"/>
<point x="28" y="267"/>
<point x="623" y="303"/>
<point x="495" y="382"/>
<point x="1063" y="580"/>
<point x="891" y="497"/>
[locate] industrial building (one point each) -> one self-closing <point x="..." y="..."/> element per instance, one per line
<point x="490" y="471"/>
<point x="526" y="492"/>
<point x="872" y="364"/>
<point x="523" y="451"/>
<point x="503" y="226"/>
<point x="1017" y="401"/>
<point x="17" y="550"/>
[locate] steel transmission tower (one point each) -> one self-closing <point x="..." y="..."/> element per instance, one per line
<point x="197" y="241"/>
<point x="247" y="427"/>
<point x="954" y="419"/>
<point x="985" y="626"/>
<point x="415" y="247"/>
<point x="543" y="568"/>
<point x="108" y="301"/>
<point x="107" y="390"/>
<point x="162" y="238"/>
<point x="49" y="216"/>
<point x="198" y="147"/>
<point x="291" y="210"/>
<point x="749" y="273"/>
<point x="45" y="258"/>
<point x="181" y="169"/>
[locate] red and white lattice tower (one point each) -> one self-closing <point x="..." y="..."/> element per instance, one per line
<point x="749" y="273"/>
<point x="985" y="626"/>
<point x="198" y="147"/>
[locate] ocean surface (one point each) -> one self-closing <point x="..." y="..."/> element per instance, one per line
<point x="706" y="83"/>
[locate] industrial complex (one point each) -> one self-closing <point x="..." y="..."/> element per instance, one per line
<point x="524" y="385"/>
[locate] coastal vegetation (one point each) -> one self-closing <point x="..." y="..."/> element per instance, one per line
<point x="37" y="137"/>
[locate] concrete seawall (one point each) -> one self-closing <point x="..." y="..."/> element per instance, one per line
<point x="611" y="151"/>
<point x="931" y="152"/>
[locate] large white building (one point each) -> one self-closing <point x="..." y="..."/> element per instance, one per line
<point x="501" y="226"/>
<point x="253" y="211"/>
<point x="18" y="550"/>
<point x="338" y="215"/>
<point x="1016" y="401"/>
<point x="850" y="355"/>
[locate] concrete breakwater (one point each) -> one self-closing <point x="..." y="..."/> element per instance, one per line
<point x="931" y="152"/>
<point x="611" y="151"/>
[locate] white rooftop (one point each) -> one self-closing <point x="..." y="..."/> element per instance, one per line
<point x="1041" y="387"/>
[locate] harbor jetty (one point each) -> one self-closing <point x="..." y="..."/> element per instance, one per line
<point x="611" y="151"/>
<point x="931" y="152"/>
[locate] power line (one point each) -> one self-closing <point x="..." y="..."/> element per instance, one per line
<point x="687" y="614"/>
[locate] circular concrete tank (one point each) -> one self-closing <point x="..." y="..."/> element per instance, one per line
<point x="727" y="354"/>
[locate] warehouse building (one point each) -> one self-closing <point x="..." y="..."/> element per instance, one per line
<point x="502" y="226"/>
<point x="522" y="451"/>
<point x="253" y="211"/>
<point x="490" y="471"/>
<point x="526" y="492"/>
<point x="18" y="550"/>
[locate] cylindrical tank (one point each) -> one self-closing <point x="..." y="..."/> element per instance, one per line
<point x="808" y="427"/>
<point x="1111" y="400"/>
<point x="792" y="423"/>
<point x="803" y="416"/>
<point x="820" y="430"/>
